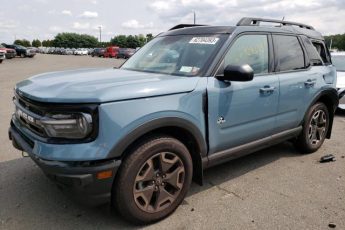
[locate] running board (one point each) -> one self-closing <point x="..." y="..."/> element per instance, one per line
<point x="242" y="150"/>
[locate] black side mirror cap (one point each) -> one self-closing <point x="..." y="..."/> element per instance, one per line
<point x="237" y="73"/>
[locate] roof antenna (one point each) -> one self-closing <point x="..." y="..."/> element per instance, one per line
<point x="281" y="24"/>
<point x="194" y="16"/>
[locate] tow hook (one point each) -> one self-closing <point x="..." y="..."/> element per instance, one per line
<point x="25" y="154"/>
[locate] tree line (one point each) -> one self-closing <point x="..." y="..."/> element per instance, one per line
<point x="74" y="40"/>
<point x="336" y="41"/>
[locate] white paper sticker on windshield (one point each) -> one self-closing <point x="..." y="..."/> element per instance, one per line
<point x="204" y="40"/>
<point x="190" y="69"/>
<point x="186" y="69"/>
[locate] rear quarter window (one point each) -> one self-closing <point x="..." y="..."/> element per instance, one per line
<point x="323" y="52"/>
<point x="314" y="56"/>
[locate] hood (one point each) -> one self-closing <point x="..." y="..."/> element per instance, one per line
<point x="7" y="49"/>
<point x="340" y="79"/>
<point x="101" y="85"/>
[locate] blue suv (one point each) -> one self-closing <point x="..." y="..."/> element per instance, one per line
<point x="193" y="97"/>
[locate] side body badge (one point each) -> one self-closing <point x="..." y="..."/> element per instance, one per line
<point x="221" y="120"/>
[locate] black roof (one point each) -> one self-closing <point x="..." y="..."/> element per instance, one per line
<point x="247" y="24"/>
<point x="201" y="30"/>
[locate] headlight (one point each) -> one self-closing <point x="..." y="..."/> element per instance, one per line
<point x="71" y="126"/>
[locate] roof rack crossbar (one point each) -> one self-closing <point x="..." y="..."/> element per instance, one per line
<point x="256" y="22"/>
<point x="180" y="26"/>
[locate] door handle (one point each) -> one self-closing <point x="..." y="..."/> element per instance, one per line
<point x="267" y="90"/>
<point x="310" y="83"/>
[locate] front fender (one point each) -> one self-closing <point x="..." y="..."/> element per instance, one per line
<point x="121" y="123"/>
<point x="157" y="123"/>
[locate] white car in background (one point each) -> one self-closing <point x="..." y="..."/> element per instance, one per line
<point x="338" y="59"/>
<point x="81" y="52"/>
<point x="2" y="56"/>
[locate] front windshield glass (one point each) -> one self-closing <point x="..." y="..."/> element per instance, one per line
<point x="184" y="55"/>
<point x="339" y="62"/>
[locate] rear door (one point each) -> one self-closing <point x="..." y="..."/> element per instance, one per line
<point x="300" y="80"/>
<point x="241" y="112"/>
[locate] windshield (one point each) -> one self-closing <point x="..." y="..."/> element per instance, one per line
<point x="339" y="62"/>
<point x="184" y="55"/>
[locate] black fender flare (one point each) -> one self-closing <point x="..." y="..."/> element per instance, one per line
<point x="119" y="149"/>
<point x="333" y="95"/>
<point x="124" y="143"/>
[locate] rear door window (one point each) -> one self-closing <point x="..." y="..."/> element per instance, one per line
<point x="289" y="53"/>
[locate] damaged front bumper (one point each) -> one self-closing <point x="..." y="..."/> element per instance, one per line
<point x="81" y="180"/>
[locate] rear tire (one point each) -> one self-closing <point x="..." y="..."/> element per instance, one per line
<point x="153" y="180"/>
<point x="315" y="128"/>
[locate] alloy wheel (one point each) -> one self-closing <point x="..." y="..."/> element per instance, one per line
<point x="159" y="182"/>
<point x="317" y="127"/>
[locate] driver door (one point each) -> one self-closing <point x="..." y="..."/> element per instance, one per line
<point x="242" y="112"/>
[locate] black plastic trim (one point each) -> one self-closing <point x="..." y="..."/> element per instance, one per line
<point x="123" y="144"/>
<point x="333" y="95"/>
<point x="256" y="22"/>
<point x="77" y="178"/>
<point x="180" y="26"/>
<point x="242" y="150"/>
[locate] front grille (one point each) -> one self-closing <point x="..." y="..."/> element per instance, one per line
<point x="29" y="106"/>
<point x="31" y="112"/>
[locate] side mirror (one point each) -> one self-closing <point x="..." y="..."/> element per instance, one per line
<point x="237" y="73"/>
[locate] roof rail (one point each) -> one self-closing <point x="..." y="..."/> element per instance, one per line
<point x="180" y="26"/>
<point x="256" y="22"/>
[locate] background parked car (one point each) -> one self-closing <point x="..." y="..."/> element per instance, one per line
<point x="2" y="56"/>
<point x="338" y="60"/>
<point x="81" y="52"/>
<point x="98" y="52"/>
<point x="125" y="53"/>
<point x="69" y="52"/>
<point x="21" y="50"/>
<point x="89" y="51"/>
<point x="9" y="53"/>
<point x="111" y="51"/>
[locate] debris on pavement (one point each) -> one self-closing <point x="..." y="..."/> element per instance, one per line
<point x="327" y="158"/>
<point x="332" y="225"/>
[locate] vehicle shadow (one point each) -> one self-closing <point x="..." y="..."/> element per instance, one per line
<point x="241" y="166"/>
<point x="27" y="196"/>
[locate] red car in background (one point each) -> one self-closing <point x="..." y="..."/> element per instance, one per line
<point x="9" y="53"/>
<point x="111" y="52"/>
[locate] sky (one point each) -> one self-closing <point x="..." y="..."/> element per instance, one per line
<point x="43" y="19"/>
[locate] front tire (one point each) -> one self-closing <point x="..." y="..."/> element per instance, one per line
<point x="153" y="180"/>
<point x="315" y="128"/>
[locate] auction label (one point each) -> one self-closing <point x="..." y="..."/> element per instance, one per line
<point x="204" y="40"/>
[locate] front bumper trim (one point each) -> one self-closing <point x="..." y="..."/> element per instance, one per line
<point x="78" y="180"/>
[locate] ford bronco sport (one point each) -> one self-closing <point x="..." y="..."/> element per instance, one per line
<point x="193" y="97"/>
